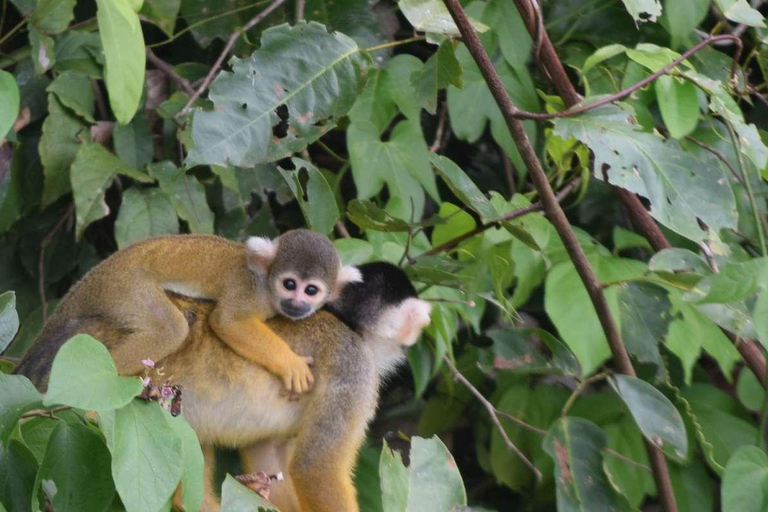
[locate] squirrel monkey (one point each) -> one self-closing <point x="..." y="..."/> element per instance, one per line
<point x="293" y="275"/>
<point x="231" y="402"/>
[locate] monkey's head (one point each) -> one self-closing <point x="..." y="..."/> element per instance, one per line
<point x="303" y="270"/>
<point x="385" y="310"/>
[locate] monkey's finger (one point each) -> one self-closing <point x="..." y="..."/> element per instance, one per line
<point x="310" y="360"/>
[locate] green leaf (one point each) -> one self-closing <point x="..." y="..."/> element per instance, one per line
<point x="162" y="13"/>
<point x="353" y="251"/>
<point x="313" y="194"/>
<point x="683" y="189"/>
<point x="394" y="480"/>
<point x="43" y="54"/>
<point x="52" y="16"/>
<point x="369" y="216"/>
<point x="401" y="163"/>
<point x="750" y="392"/>
<point x="36" y="431"/>
<point x="601" y="55"/>
<point x="74" y="91"/>
<point x="133" y="142"/>
<point x="643" y="10"/>
<point x="186" y="194"/>
<point x="736" y="281"/>
<point x="62" y="135"/>
<point x="463" y="187"/>
<point x="514" y="40"/>
<point x="76" y="470"/>
<point x="80" y="51"/>
<point x="677" y="260"/>
<point x="83" y="375"/>
<point x="9" y="97"/>
<point x="458" y="223"/>
<point x="682" y="16"/>
<point x="235" y="497"/>
<point x="18" y="397"/>
<point x="147" y="460"/>
<point x="123" y="44"/>
<point x="9" y="319"/>
<point x="93" y="171"/>
<point x="760" y="316"/>
<point x="633" y="482"/>
<point x="432" y="16"/>
<point x="679" y="104"/>
<point x="645" y="318"/>
<point x="435" y="481"/>
<point x="745" y="483"/>
<point x="17" y="476"/>
<point x="740" y="11"/>
<point x="351" y="17"/>
<point x="144" y="213"/>
<point x="515" y="350"/>
<point x="576" y="447"/>
<point x="694" y="487"/>
<point x="303" y="76"/>
<point x="441" y="70"/>
<point x="192" y="455"/>
<point x="658" y="419"/>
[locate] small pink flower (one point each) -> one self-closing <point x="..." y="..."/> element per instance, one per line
<point x="145" y="381"/>
<point x="166" y="392"/>
<point x="148" y="363"/>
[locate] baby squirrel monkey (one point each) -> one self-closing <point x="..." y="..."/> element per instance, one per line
<point x="294" y="275"/>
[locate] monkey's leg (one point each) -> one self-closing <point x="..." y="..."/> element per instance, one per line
<point x="272" y="457"/>
<point x="210" y="499"/>
<point x="153" y="328"/>
<point x="252" y="339"/>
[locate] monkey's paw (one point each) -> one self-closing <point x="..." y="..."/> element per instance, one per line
<point x="297" y="377"/>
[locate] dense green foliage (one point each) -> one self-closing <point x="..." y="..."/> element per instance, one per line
<point x="393" y="145"/>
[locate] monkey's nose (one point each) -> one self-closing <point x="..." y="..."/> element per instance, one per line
<point x="295" y="310"/>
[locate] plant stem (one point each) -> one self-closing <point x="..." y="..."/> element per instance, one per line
<point x="392" y="44"/>
<point x="557" y="217"/>
<point x="579" y="389"/>
<point x="15" y="29"/>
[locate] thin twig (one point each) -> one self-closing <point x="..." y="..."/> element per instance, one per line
<point x="41" y="260"/>
<point x="719" y="155"/>
<point x="225" y="52"/>
<point x="709" y="256"/>
<point x="626" y="459"/>
<point x="579" y="389"/>
<point x="435" y="147"/>
<point x="341" y="229"/>
<point x="45" y="413"/>
<point x="565" y="231"/>
<point x="535" y="207"/>
<point x="300" y="5"/>
<point x="494" y="418"/>
<point x="168" y="70"/>
<point x="392" y="44"/>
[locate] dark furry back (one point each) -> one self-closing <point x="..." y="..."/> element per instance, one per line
<point x="384" y="284"/>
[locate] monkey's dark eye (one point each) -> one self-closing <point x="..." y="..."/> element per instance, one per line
<point x="311" y="290"/>
<point x="289" y="284"/>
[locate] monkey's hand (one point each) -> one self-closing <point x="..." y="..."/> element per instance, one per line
<point x="296" y="376"/>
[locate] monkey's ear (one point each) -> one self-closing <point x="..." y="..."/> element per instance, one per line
<point x="260" y="253"/>
<point x="347" y="274"/>
<point x="414" y="315"/>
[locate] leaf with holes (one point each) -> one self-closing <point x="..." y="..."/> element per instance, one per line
<point x="658" y="419"/>
<point x="313" y="194"/>
<point x="576" y="445"/>
<point x="684" y="189"/>
<point x="643" y="10"/>
<point x="285" y="96"/>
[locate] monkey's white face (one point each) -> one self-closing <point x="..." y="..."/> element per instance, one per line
<point x="298" y="298"/>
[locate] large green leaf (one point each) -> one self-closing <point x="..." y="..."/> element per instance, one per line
<point x="313" y="194"/>
<point x="17" y="476"/>
<point x="684" y="189"/>
<point x="514" y="40"/>
<point x="394" y="480"/>
<point x="735" y="281"/>
<point x="645" y="318"/>
<point x="147" y="458"/>
<point x="633" y="482"/>
<point x="433" y="16"/>
<point x="83" y="375"/>
<point x="18" y="397"/>
<point x="741" y="12"/>
<point x="235" y="497"/>
<point x="144" y="213"/>
<point x="745" y="483"/>
<point x="93" y="171"/>
<point x="9" y="97"/>
<point x="658" y="419"/>
<point x="75" y="473"/>
<point x="133" y="142"/>
<point x="9" y="319"/>
<point x="192" y="475"/>
<point x="162" y="13"/>
<point x="576" y="447"/>
<point x="62" y="135"/>
<point x="74" y="91"/>
<point x="682" y="16"/>
<point x="679" y="105"/>
<point x="187" y="195"/>
<point x="123" y="43"/>
<point x="301" y="81"/>
<point x="52" y="16"/>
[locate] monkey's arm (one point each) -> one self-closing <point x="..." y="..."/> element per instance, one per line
<point x="251" y="338"/>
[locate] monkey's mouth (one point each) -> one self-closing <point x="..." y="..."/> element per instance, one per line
<point x="295" y="312"/>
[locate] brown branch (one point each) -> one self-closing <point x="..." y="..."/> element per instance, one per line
<point x="494" y="417"/>
<point x="342" y="230"/>
<point x="101" y="105"/>
<point x="167" y="69"/>
<point x="41" y="260"/>
<point x="300" y="6"/>
<point x="228" y="48"/>
<point x="557" y="217"/>
<point x="535" y="207"/>
<point x="435" y="147"/>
